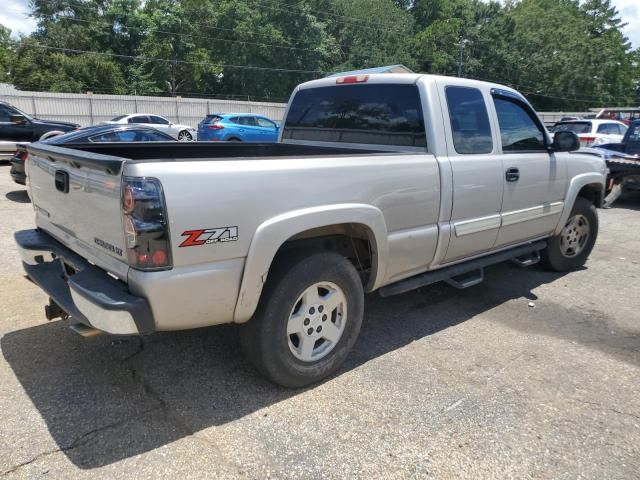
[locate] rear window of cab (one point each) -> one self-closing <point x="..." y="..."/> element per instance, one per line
<point x="379" y="114"/>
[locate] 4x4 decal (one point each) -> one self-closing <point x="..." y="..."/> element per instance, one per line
<point x="206" y="236"/>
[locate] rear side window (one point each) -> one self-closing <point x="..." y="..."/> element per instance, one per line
<point x="159" y="120"/>
<point x="518" y="130"/>
<point x="379" y="114"/>
<point x="469" y="120"/>
<point x="139" y="119"/>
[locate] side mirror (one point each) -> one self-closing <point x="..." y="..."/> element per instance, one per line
<point x="565" y="142"/>
<point x="18" y="119"/>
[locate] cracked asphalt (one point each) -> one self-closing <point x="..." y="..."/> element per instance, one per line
<point x="442" y="384"/>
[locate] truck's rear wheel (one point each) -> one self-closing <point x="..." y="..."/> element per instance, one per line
<point x="308" y="319"/>
<point x="571" y="248"/>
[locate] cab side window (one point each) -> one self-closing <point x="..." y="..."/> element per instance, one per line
<point x="469" y="120"/>
<point x="518" y="130"/>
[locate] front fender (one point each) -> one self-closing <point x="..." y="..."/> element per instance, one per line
<point x="273" y="233"/>
<point x="575" y="185"/>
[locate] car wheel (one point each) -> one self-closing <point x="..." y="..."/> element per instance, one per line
<point x="185" y="136"/>
<point x="571" y="248"/>
<point x="308" y="319"/>
<point x="234" y="140"/>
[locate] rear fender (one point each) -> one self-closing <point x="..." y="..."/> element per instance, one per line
<point x="273" y="233"/>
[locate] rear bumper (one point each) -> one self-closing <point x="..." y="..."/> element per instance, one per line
<point x="85" y="292"/>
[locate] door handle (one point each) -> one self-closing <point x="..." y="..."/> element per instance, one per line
<point x="512" y="174"/>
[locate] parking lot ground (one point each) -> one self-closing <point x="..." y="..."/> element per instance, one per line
<point x="528" y="375"/>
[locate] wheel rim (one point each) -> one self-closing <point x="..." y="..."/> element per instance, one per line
<point x="184" y="137"/>
<point x="316" y="322"/>
<point x="574" y="236"/>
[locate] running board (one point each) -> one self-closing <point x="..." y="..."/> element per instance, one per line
<point x="452" y="275"/>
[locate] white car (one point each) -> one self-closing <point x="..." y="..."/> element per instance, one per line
<point x="182" y="133"/>
<point x="593" y="132"/>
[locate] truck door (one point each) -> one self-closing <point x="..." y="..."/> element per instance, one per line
<point x="534" y="179"/>
<point x="476" y="169"/>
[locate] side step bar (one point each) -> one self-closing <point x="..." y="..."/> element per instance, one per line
<point x="524" y="255"/>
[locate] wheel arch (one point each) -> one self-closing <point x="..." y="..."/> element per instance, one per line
<point x="302" y="228"/>
<point x="52" y="133"/>
<point x="587" y="185"/>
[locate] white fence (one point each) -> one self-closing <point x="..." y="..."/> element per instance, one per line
<point x="89" y="109"/>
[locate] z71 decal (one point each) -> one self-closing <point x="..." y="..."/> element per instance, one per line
<point x="206" y="236"/>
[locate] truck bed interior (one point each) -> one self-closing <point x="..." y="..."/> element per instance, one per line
<point x="109" y="157"/>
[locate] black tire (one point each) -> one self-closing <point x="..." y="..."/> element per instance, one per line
<point x="234" y="140"/>
<point x="264" y="338"/>
<point x="553" y="256"/>
<point x="186" y="136"/>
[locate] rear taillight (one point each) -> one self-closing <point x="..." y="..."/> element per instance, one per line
<point x="587" y="139"/>
<point x="215" y="126"/>
<point x="23" y="155"/>
<point x="146" y="228"/>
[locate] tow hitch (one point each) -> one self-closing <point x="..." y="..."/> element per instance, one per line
<point x="53" y="311"/>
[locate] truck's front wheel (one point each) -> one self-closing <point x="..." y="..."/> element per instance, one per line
<point x="308" y="319"/>
<point x="571" y="248"/>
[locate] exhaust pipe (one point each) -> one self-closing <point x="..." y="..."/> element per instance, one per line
<point x="84" y="330"/>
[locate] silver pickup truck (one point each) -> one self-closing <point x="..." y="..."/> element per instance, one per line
<point x="384" y="182"/>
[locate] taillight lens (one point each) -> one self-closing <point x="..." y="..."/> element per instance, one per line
<point x="215" y="126"/>
<point x="146" y="227"/>
<point x="23" y="155"/>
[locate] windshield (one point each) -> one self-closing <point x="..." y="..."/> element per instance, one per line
<point x="211" y="119"/>
<point x="575" y="127"/>
<point x="119" y="117"/>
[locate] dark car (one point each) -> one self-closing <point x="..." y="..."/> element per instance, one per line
<point x="17" y="126"/>
<point x="623" y="162"/>
<point x="97" y="134"/>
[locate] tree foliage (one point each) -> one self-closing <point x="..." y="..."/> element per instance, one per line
<point x="563" y="54"/>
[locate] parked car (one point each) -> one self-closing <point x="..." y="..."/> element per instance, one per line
<point x="379" y="182"/>
<point x="623" y="162"/>
<point x="16" y="126"/>
<point x="593" y="132"/>
<point x="182" y="133"/>
<point x="96" y="134"/>
<point x="237" y="127"/>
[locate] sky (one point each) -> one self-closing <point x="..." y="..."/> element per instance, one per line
<point x="13" y="14"/>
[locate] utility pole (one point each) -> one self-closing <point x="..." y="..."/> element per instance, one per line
<point x="462" y="43"/>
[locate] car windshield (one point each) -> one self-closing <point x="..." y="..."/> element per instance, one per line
<point x="118" y="118"/>
<point x="575" y="127"/>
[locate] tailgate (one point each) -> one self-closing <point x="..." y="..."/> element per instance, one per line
<point x="76" y="197"/>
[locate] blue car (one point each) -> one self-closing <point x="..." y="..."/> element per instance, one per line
<point x="237" y="127"/>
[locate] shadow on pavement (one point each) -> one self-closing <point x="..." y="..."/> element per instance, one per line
<point x="19" y="196"/>
<point x="110" y="398"/>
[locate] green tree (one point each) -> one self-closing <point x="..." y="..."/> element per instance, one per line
<point x="7" y="53"/>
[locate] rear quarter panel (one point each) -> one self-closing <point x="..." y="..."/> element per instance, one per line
<point x="241" y="195"/>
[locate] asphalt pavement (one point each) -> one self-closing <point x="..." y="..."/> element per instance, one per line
<point x="529" y="375"/>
